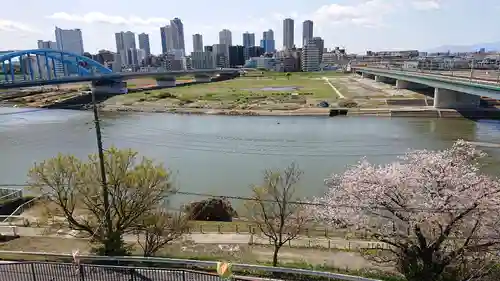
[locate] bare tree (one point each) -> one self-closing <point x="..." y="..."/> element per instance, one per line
<point x="273" y="209"/>
<point x="136" y="186"/>
<point x="157" y="229"/>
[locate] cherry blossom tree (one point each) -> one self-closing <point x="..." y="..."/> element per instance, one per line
<point x="435" y="209"/>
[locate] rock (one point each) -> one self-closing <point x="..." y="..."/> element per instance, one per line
<point x="215" y="209"/>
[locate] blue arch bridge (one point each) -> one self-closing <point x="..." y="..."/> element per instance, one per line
<point x="40" y="67"/>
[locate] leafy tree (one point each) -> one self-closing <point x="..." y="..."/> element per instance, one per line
<point x="136" y="186"/>
<point x="287" y="75"/>
<point x="272" y="207"/>
<point x="157" y="228"/>
<point x="435" y="209"/>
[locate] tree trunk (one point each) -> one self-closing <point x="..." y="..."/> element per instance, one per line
<point x="275" y="255"/>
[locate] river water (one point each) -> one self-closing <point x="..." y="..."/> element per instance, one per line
<point x="223" y="155"/>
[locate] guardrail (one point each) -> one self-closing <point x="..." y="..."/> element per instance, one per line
<point x="20" y="209"/>
<point x="179" y="263"/>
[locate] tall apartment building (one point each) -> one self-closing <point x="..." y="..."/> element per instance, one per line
<point x="248" y="39"/>
<point x="202" y="60"/>
<point x="197" y="43"/>
<point x="311" y="56"/>
<point x="126" y="47"/>
<point x="320" y="43"/>
<point x="288" y="33"/>
<point x="226" y="37"/>
<point x="268" y="35"/>
<point x="177" y="34"/>
<point x="166" y="39"/>
<point x="144" y="43"/>
<point x="69" y="40"/>
<point x="307" y="31"/>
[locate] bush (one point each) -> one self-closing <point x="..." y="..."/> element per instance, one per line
<point x="215" y="209"/>
<point x="347" y="103"/>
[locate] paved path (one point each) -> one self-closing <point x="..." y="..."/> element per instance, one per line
<point x="234" y="238"/>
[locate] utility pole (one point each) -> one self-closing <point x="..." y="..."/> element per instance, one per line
<point x="104" y="182"/>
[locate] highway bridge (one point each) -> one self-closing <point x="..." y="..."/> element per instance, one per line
<point x="453" y="92"/>
<point x="42" y="67"/>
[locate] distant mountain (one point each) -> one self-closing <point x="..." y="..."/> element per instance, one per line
<point x="492" y="46"/>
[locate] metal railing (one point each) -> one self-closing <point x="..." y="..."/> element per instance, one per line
<point x="131" y="260"/>
<point x="19" y="210"/>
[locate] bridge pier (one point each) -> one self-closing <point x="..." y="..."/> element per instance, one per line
<point x="402" y="84"/>
<point x="109" y="86"/>
<point x="444" y="98"/>
<point x="167" y="81"/>
<point x="379" y="78"/>
<point x="202" y="78"/>
<point x="365" y="75"/>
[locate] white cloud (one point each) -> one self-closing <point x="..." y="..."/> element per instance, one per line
<point x="97" y="17"/>
<point x="426" y="5"/>
<point x="13" y="26"/>
<point x="370" y="13"/>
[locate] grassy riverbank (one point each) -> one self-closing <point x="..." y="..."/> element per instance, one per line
<point x="267" y="91"/>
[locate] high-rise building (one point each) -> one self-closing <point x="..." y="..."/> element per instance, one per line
<point x="126" y="47"/>
<point x="288" y="33"/>
<point x="166" y="39"/>
<point x="307" y="31"/>
<point x="225" y="37"/>
<point x="47" y="66"/>
<point x="202" y="60"/>
<point x="221" y="55"/>
<point x="177" y="34"/>
<point x="248" y="39"/>
<point x="236" y="56"/>
<point x="197" y="43"/>
<point x="320" y="44"/>
<point x="172" y="37"/>
<point x="208" y="48"/>
<point x="267" y="45"/>
<point x="69" y="40"/>
<point x="268" y="35"/>
<point x="311" y="58"/>
<point x="144" y="43"/>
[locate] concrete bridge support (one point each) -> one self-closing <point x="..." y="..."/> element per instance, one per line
<point x="202" y="78"/>
<point x="402" y="84"/>
<point x="379" y="78"/>
<point x="168" y="81"/>
<point x="444" y="98"/>
<point x="365" y="75"/>
<point x="109" y="87"/>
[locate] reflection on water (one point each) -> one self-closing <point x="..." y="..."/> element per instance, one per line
<point x="225" y="155"/>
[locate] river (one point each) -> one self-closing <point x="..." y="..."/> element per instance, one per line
<point x="223" y="155"/>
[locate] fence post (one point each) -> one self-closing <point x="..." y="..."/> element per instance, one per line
<point x="33" y="271"/>
<point x="80" y="272"/>
<point x="183" y="275"/>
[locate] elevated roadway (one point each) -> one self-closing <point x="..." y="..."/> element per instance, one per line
<point x="450" y="91"/>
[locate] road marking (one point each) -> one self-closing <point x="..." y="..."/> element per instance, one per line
<point x="333" y="87"/>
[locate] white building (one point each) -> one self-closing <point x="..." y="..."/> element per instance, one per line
<point x="69" y="40"/>
<point x="226" y="37"/>
<point x="311" y="56"/>
<point x="202" y="60"/>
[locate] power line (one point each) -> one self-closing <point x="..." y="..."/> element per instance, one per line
<point x="305" y="203"/>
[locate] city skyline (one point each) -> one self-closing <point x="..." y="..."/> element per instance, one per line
<point x="355" y="24"/>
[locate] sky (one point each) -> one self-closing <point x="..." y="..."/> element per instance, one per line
<point x="357" y="25"/>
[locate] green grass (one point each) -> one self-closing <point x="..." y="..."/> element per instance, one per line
<point x="245" y="89"/>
